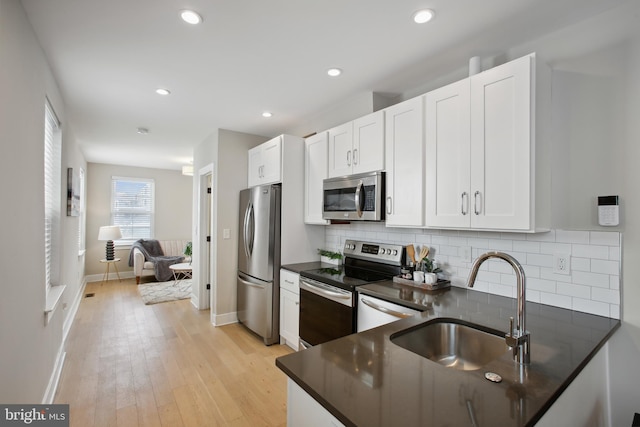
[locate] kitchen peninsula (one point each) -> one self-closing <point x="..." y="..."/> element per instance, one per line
<point x="366" y="380"/>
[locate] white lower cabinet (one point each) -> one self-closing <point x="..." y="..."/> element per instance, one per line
<point x="289" y="308"/>
<point x="305" y="411"/>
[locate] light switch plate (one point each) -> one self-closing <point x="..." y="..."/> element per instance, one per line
<point x="226" y="233"/>
<point x="464" y="252"/>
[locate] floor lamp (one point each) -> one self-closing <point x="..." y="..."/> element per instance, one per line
<point x="109" y="233"/>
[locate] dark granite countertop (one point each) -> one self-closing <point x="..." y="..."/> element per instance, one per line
<point x="304" y="266"/>
<point x="366" y="380"/>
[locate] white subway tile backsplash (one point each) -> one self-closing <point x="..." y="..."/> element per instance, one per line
<point x="590" y="306"/>
<point x="572" y="290"/>
<point x="591" y="279"/>
<point x="590" y="251"/>
<point x="593" y="285"/>
<point x="609" y="296"/>
<point x="527" y="246"/>
<point x="604" y="238"/>
<point x="541" y="260"/>
<point x="605" y="267"/>
<point x="569" y="236"/>
<point x="542" y="285"/>
<point x="555" y="300"/>
<point x="580" y="264"/>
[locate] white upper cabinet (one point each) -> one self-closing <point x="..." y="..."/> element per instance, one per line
<point x="480" y="151"/>
<point x="501" y="168"/>
<point x="404" y="154"/>
<point x="265" y="163"/>
<point x="357" y="146"/>
<point x="315" y="171"/>
<point x="448" y="156"/>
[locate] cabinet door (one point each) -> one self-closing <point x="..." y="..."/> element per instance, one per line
<point x="289" y="317"/>
<point x="500" y="146"/>
<point x="255" y="166"/>
<point x="368" y="143"/>
<point x="447" y="129"/>
<point x="404" y="154"/>
<point x="340" y="150"/>
<point x="315" y="171"/>
<point x="272" y="161"/>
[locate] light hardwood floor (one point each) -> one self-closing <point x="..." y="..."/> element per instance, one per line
<point x="130" y="364"/>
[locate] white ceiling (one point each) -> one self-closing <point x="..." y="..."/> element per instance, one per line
<point x="250" y="56"/>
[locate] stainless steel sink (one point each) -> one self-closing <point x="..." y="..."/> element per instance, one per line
<point x="453" y="343"/>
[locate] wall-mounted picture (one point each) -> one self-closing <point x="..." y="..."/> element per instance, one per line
<point x="73" y="193"/>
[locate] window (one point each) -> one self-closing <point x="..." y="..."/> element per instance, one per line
<point x="132" y="201"/>
<point x="52" y="188"/>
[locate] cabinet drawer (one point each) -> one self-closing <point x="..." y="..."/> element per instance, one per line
<point x="290" y="281"/>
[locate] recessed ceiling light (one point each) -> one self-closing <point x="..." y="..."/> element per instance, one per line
<point x="334" y="72"/>
<point x="163" y="91"/>
<point x="143" y="131"/>
<point x="191" y="17"/>
<point x="422" y="16"/>
<point x="267" y="114"/>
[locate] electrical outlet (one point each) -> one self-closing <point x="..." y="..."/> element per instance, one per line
<point x="226" y="233"/>
<point x="562" y="263"/>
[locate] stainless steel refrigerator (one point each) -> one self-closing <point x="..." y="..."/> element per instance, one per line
<point x="258" y="286"/>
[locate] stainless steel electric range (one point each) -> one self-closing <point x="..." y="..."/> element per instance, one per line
<point x="328" y="295"/>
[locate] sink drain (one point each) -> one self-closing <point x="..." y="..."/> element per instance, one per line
<point x="493" y="377"/>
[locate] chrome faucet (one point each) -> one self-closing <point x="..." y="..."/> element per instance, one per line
<point x="518" y="339"/>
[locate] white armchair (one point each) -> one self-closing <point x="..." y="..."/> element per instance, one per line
<point x="142" y="267"/>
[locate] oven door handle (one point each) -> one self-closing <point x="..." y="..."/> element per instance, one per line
<point x="319" y="288"/>
<point x="385" y="310"/>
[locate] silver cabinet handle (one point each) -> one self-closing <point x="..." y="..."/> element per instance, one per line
<point x="389" y="205"/>
<point x="475" y="203"/>
<point x="349" y="158"/>
<point x="385" y="310"/>
<point x="355" y="156"/>
<point x="464" y="194"/>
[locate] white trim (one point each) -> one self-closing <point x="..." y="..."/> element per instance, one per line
<point x="224" y="319"/>
<point x="54" y="294"/>
<point x="204" y="296"/>
<point x="52" y="387"/>
<point x="112" y="276"/>
<point x="68" y="321"/>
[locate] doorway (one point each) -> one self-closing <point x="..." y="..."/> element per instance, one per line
<point x="204" y="236"/>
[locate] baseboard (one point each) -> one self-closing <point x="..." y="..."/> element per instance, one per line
<point x="52" y="387"/>
<point x="70" y="317"/>
<point x="224" y="319"/>
<point x="112" y="276"/>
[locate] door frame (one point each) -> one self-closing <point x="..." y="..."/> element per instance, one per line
<point x="205" y="221"/>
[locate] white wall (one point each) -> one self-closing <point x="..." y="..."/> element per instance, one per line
<point x="172" y="216"/>
<point x="227" y="151"/>
<point x="30" y="351"/>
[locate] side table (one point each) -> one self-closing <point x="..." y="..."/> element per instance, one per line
<point x="180" y="272"/>
<point x="105" y="277"/>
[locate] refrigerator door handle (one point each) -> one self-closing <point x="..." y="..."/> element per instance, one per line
<point x="249" y="230"/>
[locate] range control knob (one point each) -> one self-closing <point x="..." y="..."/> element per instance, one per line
<point x="388" y="251"/>
<point x="395" y="252"/>
<point x="381" y="251"/>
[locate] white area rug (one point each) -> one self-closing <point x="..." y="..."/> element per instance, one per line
<point x="153" y="293"/>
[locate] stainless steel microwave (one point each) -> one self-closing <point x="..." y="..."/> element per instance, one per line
<point x="354" y="197"/>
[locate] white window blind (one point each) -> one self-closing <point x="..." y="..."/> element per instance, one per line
<point x="132" y="207"/>
<point x="82" y="222"/>
<point x="52" y="188"/>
